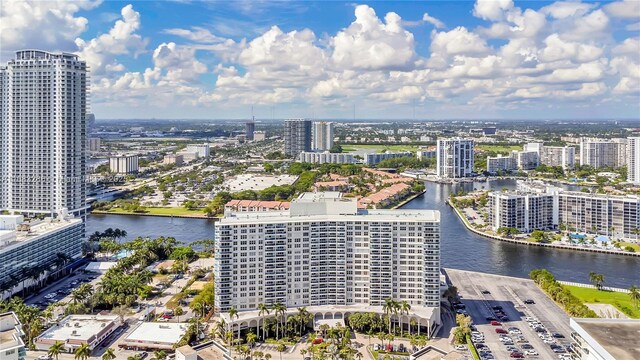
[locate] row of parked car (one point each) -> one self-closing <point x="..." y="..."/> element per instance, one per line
<point x="549" y="338"/>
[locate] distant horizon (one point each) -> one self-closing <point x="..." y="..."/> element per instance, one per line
<point x="373" y="119"/>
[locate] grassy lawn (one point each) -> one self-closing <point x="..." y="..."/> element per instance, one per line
<point x="378" y="148"/>
<point x="499" y="148"/>
<point x="620" y="300"/>
<point x="166" y="211"/>
<point x="624" y="244"/>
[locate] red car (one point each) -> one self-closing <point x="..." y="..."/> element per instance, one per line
<point x="496" y="323"/>
<point x="317" y="341"/>
<point x="501" y="331"/>
<point x="517" y="355"/>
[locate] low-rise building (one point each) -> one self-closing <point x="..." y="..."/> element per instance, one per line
<point x="186" y="353"/>
<point x="385" y="196"/>
<point x="172" y="159"/>
<point x="76" y="330"/>
<point x="11" y="344"/>
<point x="605" y="339"/>
<point x="325" y="157"/>
<point x="426" y="154"/>
<point x="152" y="336"/>
<point x="188" y="156"/>
<point x="255" y="205"/>
<point x="259" y="136"/>
<point x="372" y="159"/>
<point x="126" y="164"/>
<point x="500" y="163"/>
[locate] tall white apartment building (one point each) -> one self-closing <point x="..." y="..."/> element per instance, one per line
<point x="326" y="254"/>
<point x="523" y="211"/>
<point x="44" y="133"/>
<point x="322" y="135"/>
<point x="124" y="164"/>
<point x="633" y="160"/>
<point x="326" y="157"/>
<point x="563" y="156"/>
<point x="454" y="158"/>
<point x="203" y="150"/>
<point x="599" y="153"/>
<point x="297" y="136"/>
<point x="527" y="160"/>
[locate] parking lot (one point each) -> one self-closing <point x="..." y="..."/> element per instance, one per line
<point x="490" y="298"/>
<point x="60" y="290"/>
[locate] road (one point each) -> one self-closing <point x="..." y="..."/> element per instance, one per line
<point x="510" y="293"/>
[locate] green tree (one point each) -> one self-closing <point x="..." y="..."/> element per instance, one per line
<point x="634" y="295"/>
<point x="56" y="349"/>
<point x="280" y="348"/>
<point x="83" y="352"/>
<point x="109" y="354"/>
<point x="596" y="279"/>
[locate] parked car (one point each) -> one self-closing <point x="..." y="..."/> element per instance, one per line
<point x="497" y="307"/>
<point x="527" y="346"/>
<point x="460" y="347"/>
<point x="531" y="353"/>
<point x="490" y="318"/>
<point x="529" y="302"/>
<point x="557" y="335"/>
<point x="495" y="323"/>
<point x="501" y="331"/>
<point x="44" y="357"/>
<point x="516" y="355"/>
<point x="486" y="292"/>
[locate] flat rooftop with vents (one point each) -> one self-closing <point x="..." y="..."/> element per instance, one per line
<point x="75" y="330"/>
<point x="155" y="336"/>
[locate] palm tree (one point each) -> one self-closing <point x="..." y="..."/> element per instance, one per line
<point x="267" y="356"/>
<point x="388" y="309"/>
<point x="303" y="316"/>
<point x="159" y="355"/>
<point x="234" y="313"/>
<point x="251" y="339"/>
<point x="303" y="352"/>
<point x="634" y="294"/>
<point x="596" y="279"/>
<point x="56" y="349"/>
<point x="280" y="348"/>
<point x="278" y="310"/>
<point x="83" y="352"/>
<point x="404" y="309"/>
<point x="108" y="354"/>
<point x="262" y="309"/>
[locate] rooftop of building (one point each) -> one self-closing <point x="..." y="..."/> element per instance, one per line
<point x="34" y="229"/>
<point x="318" y="196"/>
<point x="10" y="331"/>
<point x="78" y="327"/>
<point x="157" y="333"/>
<point x="616" y="336"/>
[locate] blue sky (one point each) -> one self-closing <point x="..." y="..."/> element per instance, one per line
<point x="445" y="59"/>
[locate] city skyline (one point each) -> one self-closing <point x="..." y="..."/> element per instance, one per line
<point x="484" y="60"/>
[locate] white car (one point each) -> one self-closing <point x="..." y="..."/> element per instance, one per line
<point x="531" y="353"/>
<point x="44" y="357"/>
<point x="548" y="341"/>
<point x="460" y="347"/>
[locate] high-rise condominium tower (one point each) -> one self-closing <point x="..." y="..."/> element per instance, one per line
<point x="297" y="136"/>
<point x="44" y="133"/>
<point x="599" y="153"/>
<point x="322" y="135"/>
<point x="633" y="160"/>
<point x="454" y="158"/>
<point x="249" y="129"/>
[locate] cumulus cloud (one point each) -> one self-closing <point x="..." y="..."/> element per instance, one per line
<point x="101" y="52"/>
<point x="179" y="61"/>
<point x="370" y="44"/>
<point x="629" y="9"/>
<point x="47" y="25"/>
<point x="491" y="9"/>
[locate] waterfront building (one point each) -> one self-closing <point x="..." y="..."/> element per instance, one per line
<point x="259" y="136"/>
<point x="536" y="147"/>
<point x="76" y="330"/>
<point x="326" y="158"/>
<point x="372" y="159"/>
<point x="455" y="158"/>
<point x="126" y="164"/>
<point x="326" y="254"/>
<point x="633" y="160"/>
<point x="297" y="136"/>
<point x="171" y="159"/>
<point x="35" y="244"/>
<point x="11" y="345"/>
<point x="202" y="150"/>
<point x="537" y="206"/>
<point x="563" y="156"/>
<point x="43" y="140"/>
<point x="523" y="211"/>
<point x="249" y="130"/>
<point x="605" y="339"/>
<point x="527" y="160"/>
<point x="322" y="135"/>
<point x="599" y="153"/>
<point x="94" y="144"/>
<point x="501" y="163"/>
<point x="255" y="205"/>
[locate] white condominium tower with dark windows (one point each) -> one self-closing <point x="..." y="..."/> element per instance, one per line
<point x="325" y="252"/>
<point x="454" y="158"/>
<point x="322" y="135"/>
<point x="633" y="160"/>
<point x="297" y="136"/>
<point x="599" y="153"/>
<point x="44" y="133"/>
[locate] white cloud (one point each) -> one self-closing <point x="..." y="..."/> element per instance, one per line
<point x="47" y="25"/>
<point x="101" y="52"/>
<point x="566" y="9"/>
<point x="558" y="49"/>
<point x="179" y="61"/>
<point x="629" y="9"/>
<point x="491" y="9"/>
<point x="197" y="34"/>
<point x="433" y="21"/>
<point x="458" y="41"/>
<point x="369" y="44"/>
